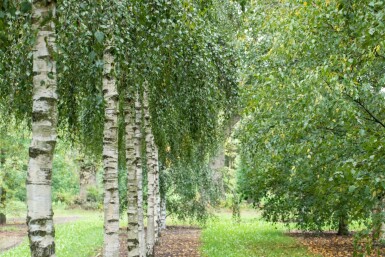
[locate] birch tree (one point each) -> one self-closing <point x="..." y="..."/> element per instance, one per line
<point x="189" y="79"/>
<point x="110" y="158"/>
<point x="151" y="176"/>
<point x="139" y="175"/>
<point x="41" y="230"/>
<point x="157" y="195"/>
<point x="132" y="182"/>
<point x="163" y="213"/>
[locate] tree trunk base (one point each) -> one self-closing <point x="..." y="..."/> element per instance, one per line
<point x="343" y="229"/>
<point x="3" y="219"/>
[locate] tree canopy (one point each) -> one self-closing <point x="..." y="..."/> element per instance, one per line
<point x="312" y="134"/>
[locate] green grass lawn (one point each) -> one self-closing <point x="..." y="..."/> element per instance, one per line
<point x="82" y="237"/>
<point x="220" y="237"/>
<point x="250" y="237"/>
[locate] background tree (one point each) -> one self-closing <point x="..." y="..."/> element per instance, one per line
<point x="313" y="106"/>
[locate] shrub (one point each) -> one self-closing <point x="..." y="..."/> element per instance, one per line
<point x="94" y="195"/>
<point x="65" y="197"/>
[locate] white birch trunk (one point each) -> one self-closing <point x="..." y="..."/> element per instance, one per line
<point x="151" y="179"/>
<point x="139" y="174"/>
<point x="163" y="213"/>
<point x="41" y="230"/>
<point x="110" y="159"/>
<point x="157" y="193"/>
<point x="132" y="183"/>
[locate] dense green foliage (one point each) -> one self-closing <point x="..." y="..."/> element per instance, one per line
<point x="306" y="76"/>
<point x="15" y="58"/>
<point x="311" y="78"/>
<point x="14" y="148"/>
<point x="184" y="51"/>
<point x="312" y="136"/>
<point x="14" y="140"/>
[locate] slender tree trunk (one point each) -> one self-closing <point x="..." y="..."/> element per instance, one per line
<point x="110" y="159"/>
<point x="3" y="196"/>
<point x="235" y="207"/>
<point x="132" y="182"/>
<point x="163" y="212"/>
<point x="41" y="230"/>
<point x="139" y="175"/>
<point x="151" y="179"/>
<point x="158" y="210"/>
<point x="2" y="157"/>
<point x="378" y="221"/>
<point x="157" y="194"/>
<point x="343" y="226"/>
<point x="3" y="192"/>
<point x="381" y="237"/>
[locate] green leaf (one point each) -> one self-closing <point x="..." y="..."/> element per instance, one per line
<point x="25" y="7"/>
<point x="99" y="36"/>
<point x="352" y="188"/>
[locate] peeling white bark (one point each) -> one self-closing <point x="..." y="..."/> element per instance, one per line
<point x="110" y="159"/>
<point x="157" y="193"/>
<point x="41" y="230"/>
<point x="139" y="174"/>
<point x="132" y="183"/>
<point x="150" y="177"/>
<point x="163" y="213"/>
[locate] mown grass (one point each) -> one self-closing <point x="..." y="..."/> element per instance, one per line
<point x="250" y="237"/>
<point x="8" y="229"/>
<point x="220" y="237"/>
<point x="78" y="238"/>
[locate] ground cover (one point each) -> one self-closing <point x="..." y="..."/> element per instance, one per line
<point x="330" y="245"/>
<point x="249" y="237"/>
<point x="78" y="233"/>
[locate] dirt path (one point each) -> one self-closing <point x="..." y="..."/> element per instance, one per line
<point x="13" y="234"/>
<point x="175" y="241"/>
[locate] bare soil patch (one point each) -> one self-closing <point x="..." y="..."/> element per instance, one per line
<point x="175" y="241"/>
<point x="179" y="241"/>
<point x="11" y="235"/>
